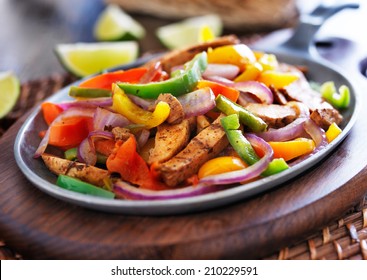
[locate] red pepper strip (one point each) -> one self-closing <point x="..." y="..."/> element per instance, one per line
<point x="105" y="146"/>
<point x="217" y="89"/>
<point x="50" y="111"/>
<point x="104" y="81"/>
<point x="131" y="166"/>
<point x="70" y="132"/>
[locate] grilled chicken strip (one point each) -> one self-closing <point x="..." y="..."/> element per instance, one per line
<point x="274" y="115"/>
<point x="81" y="171"/>
<point x="169" y="140"/>
<point x="178" y="57"/>
<point x="204" y="146"/>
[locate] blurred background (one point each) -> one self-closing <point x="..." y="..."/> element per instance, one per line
<point x="30" y="30"/>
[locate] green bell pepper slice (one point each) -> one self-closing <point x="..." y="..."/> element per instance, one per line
<point x="237" y="140"/>
<point x="277" y="165"/>
<point x="247" y="118"/>
<point x="180" y="83"/>
<point x="76" y="185"/>
<point x="339" y="100"/>
<point x="75" y="91"/>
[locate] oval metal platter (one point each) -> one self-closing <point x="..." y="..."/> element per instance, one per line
<point x="28" y="140"/>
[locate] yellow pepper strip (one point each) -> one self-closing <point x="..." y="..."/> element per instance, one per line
<point x="124" y="106"/>
<point x="251" y="73"/>
<point x="268" y="61"/>
<point x="277" y="79"/>
<point x="239" y="55"/>
<point x="221" y="165"/>
<point x="206" y="34"/>
<point x="332" y="132"/>
<point x="291" y="149"/>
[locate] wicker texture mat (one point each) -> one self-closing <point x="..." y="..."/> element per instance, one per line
<point x="346" y="238"/>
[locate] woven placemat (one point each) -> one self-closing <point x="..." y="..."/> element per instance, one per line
<point x="346" y="238"/>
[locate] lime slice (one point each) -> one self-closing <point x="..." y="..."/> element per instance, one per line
<point x="113" y="24"/>
<point x="9" y="92"/>
<point x="83" y="59"/>
<point x="188" y="32"/>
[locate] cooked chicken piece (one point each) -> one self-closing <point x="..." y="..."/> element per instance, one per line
<point x="279" y="97"/>
<point x="178" y="57"/>
<point x="81" y="171"/>
<point x="321" y="111"/>
<point x="325" y="116"/>
<point x="169" y="140"/>
<point x="274" y="115"/>
<point x="121" y="133"/>
<point x="202" y="122"/>
<point x="177" y="113"/>
<point x="204" y="146"/>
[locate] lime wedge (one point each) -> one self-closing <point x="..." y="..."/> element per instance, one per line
<point x="83" y="59"/>
<point x="189" y="31"/>
<point x="9" y="92"/>
<point x="113" y="24"/>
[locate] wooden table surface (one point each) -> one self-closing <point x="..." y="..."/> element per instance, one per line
<point x="39" y="226"/>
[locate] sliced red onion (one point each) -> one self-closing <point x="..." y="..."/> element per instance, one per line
<point x="318" y="136"/>
<point x="197" y="102"/>
<point x="153" y="70"/>
<point x="228" y="71"/>
<point x="143" y="103"/>
<point x="87" y="151"/>
<point x="248" y="173"/>
<point x="143" y="137"/>
<point x="124" y="189"/>
<point x="89" y="103"/>
<point x="103" y="117"/>
<point x="220" y="80"/>
<point x="72" y="112"/>
<point x="245" y="98"/>
<point x="290" y="131"/>
<point x="261" y="91"/>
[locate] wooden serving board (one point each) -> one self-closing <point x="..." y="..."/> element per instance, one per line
<point x="41" y="227"/>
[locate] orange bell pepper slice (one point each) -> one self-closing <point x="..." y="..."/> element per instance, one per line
<point x="217" y="88"/>
<point x="291" y="149"/>
<point x="70" y="132"/>
<point x="50" y="111"/>
<point x="104" y="81"/>
<point x="131" y="166"/>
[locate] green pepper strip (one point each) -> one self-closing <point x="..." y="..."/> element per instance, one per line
<point x="277" y="165"/>
<point x="243" y="147"/>
<point x="177" y="85"/>
<point x="238" y="141"/>
<point x="75" y="91"/>
<point x="79" y="186"/>
<point x="339" y="100"/>
<point x="247" y="118"/>
<point x="72" y="154"/>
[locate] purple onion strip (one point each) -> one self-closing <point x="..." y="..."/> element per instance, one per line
<point x="89" y="103"/>
<point x="244" y="174"/>
<point x="103" y="117"/>
<point x="72" y="112"/>
<point x="228" y="71"/>
<point x="130" y="192"/>
<point x="87" y="151"/>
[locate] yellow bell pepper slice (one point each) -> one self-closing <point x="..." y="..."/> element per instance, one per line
<point x="251" y="73"/>
<point x="221" y="165"/>
<point x="291" y="149"/>
<point x="277" y="79"/>
<point x="333" y="131"/>
<point x="122" y="104"/>
<point x="239" y="55"/>
<point x="268" y="61"/>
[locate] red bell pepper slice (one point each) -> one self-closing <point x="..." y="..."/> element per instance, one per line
<point x="217" y="89"/>
<point x="70" y="132"/>
<point x="131" y="166"/>
<point x="104" y="81"/>
<point x="50" y="111"/>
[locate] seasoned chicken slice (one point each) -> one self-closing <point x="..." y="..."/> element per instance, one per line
<point x="169" y="140"/>
<point x="204" y="146"/>
<point x="274" y="115"/>
<point x="177" y="113"/>
<point x="178" y="57"/>
<point x="81" y="171"/>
